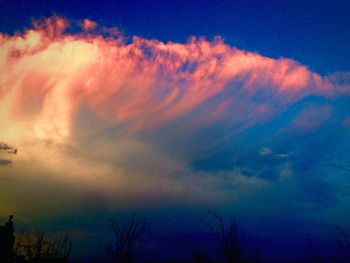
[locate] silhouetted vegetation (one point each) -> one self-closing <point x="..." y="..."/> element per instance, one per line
<point x="200" y="257"/>
<point x="129" y="239"/>
<point x="38" y="247"/>
<point x="33" y="247"/>
<point x="7" y="240"/>
<point x="343" y="240"/>
<point x="229" y="238"/>
<point x="314" y="249"/>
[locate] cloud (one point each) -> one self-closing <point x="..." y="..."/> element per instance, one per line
<point x="285" y="171"/>
<point x="130" y="117"/>
<point x="311" y="118"/>
<point x="341" y="78"/>
<point x="48" y="76"/>
<point x="88" y="25"/>
<point x="347" y="121"/>
<point x="4" y="162"/>
<point x="284" y="155"/>
<point x="265" y="151"/>
<point x="7" y="148"/>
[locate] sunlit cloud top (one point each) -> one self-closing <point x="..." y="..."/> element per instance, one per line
<point x="47" y="75"/>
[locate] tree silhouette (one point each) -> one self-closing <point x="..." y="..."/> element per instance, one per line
<point x="313" y="245"/>
<point x="200" y="257"/>
<point x="7" y="240"/>
<point x="37" y="247"/>
<point x="342" y="233"/>
<point x="343" y="240"/>
<point x="229" y="237"/>
<point x="129" y="239"/>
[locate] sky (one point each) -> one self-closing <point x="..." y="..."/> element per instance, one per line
<point x="171" y="108"/>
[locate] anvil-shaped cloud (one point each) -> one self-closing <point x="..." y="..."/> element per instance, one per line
<point x="138" y="117"/>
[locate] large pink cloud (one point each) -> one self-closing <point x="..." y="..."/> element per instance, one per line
<point x="129" y="117"/>
<point x="47" y="75"/>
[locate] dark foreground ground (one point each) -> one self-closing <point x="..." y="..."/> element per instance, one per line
<point x="131" y="241"/>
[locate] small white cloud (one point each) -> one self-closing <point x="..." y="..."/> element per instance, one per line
<point x="285" y="171"/>
<point x="265" y="151"/>
<point x="284" y="155"/>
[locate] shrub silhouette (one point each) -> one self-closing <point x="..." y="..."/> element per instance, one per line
<point x="129" y="239"/>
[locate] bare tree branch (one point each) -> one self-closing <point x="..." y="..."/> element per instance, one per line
<point x="229" y="238"/>
<point x="35" y="246"/>
<point x="129" y="239"/>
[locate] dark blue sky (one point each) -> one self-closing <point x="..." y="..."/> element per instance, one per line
<point x="316" y="33"/>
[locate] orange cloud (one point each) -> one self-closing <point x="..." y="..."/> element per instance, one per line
<point x="88" y="25"/>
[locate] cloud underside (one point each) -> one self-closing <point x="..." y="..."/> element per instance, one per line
<point x="199" y="122"/>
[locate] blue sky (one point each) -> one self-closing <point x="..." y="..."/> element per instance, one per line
<point x="173" y="108"/>
<point x="312" y="32"/>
